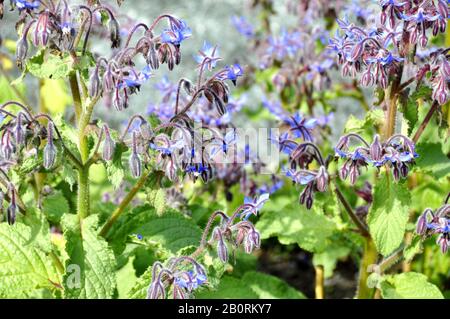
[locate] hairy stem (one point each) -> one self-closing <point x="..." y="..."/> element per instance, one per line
<point x="76" y="95"/>
<point x="363" y="229"/>
<point x="83" y="193"/>
<point x="425" y="122"/>
<point x="369" y="259"/>
<point x="121" y="208"/>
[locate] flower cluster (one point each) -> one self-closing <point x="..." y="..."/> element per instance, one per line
<point x="182" y="282"/>
<point x="175" y="276"/>
<point x="431" y="223"/>
<point x="378" y="52"/>
<point x="58" y="27"/>
<point x="398" y="152"/>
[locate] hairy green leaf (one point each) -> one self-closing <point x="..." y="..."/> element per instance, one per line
<point x="431" y="159"/>
<point x="55" y="206"/>
<point x="388" y="214"/>
<point x="409" y="285"/>
<point x="90" y="269"/>
<point x="295" y="224"/>
<point x="24" y="266"/>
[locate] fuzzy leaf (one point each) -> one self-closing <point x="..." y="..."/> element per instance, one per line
<point x="431" y="159"/>
<point x="50" y="66"/>
<point x="55" y="206"/>
<point x="409" y="285"/>
<point x="388" y="214"/>
<point x="295" y="224"/>
<point x="228" y="288"/>
<point x="24" y="266"/>
<point x="90" y="269"/>
<point x="173" y="230"/>
<point x="270" y="287"/>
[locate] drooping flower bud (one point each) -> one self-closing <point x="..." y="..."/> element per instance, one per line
<point x="49" y="149"/>
<point x="421" y="226"/>
<point x="6" y="145"/>
<point x="152" y="57"/>
<point x="94" y="84"/>
<point x="146" y="130"/>
<point x="109" y="146"/>
<point x="19" y="134"/>
<point x="21" y="51"/>
<point x="135" y="161"/>
<point x="156" y="290"/>
<point x="222" y="250"/>
<point x="114" y="32"/>
<point x="376" y="149"/>
<point x="322" y="179"/>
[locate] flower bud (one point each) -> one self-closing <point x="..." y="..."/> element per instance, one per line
<point x="354" y="173"/>
<point x="443" y="241"/>
<point x="114" y="32"/>
<point x="178" y="292"/>
<point x="109" y="146"/>
<point x="49" y="149"/>
<point x="6" y="146"/>
<point x="135" y="161"/>
<point x="156" y="290"/>
<point x="21" y="51"/>
<point x="421" y="226"/>
<point x="146" y="131"/>
<point x="376" y="149"/>
<point x="322" y="179"/>
<point x="152" y="57"/>
<point x="94" y="84"/>
<point x="19" y="134"/>
<point x="222" y="250"/>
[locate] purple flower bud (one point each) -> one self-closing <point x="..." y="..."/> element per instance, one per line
<point x="188" y="87"/>
<point x="443" y="241"/>
<point x="49" y="149"/>
<point x="146" y="131"/>
<point x="396" y="173"/>
<point x="255" y="237"/>
<point x="322" y="179"/>
<point x="94" y="84"/>
<point x="354" y="173"/>
<point x="135" y="161"/>
<point x="156" y="290"/>
<point x="248" y="246"/>
<point x="222" y="250"/>
<point x="376" y="149"/>
<point x="114" y="32"/>
<point x="152" y="57"/>
<point x="357" y="51"/>
<point x="109" y="146"/>
<point x="19" y="134"/>
<point x="443" y="8"/>
<point x="21" y="51"/>
<point x="108" y="81"/>
<point x="6" y="145"/>
<point x="421" y="226"/>
<point x="404" y="170"/>
<point x="178" y="292"/>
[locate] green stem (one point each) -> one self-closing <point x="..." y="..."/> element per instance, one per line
<point x="369" y="259"/>
<point x="76" y="95"/>
<point x="82" y="124"/>
<point x="121" y="208"/>
<point x="83" y="192"/>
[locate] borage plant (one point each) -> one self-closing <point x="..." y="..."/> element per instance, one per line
<point x="170" y="204"/>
